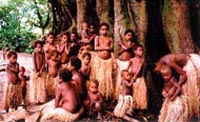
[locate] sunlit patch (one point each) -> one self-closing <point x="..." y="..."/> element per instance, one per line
<point x="3" y="2"/>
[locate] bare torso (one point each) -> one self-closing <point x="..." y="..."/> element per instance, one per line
<point x="53" y="67"/>
<point x="135" y="62"/>
<point x="12" y="71"/>
<point x="107" y="44"/>
<point x="126" y="90"/>
<point x="69" y="98"/>
<point x="77" y="81"/>
<point x="39" y="61"/>
<point x="49" y="48"/>
<point x="64" y="50"/>
<point x="126" y="51"/>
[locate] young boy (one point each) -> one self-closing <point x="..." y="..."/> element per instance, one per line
<point x="49" y="46"/>
<point x="175" y="105"/>
<point x="102" y="66"/>
<point x="12" y="92"/>
<point x="23" y="80"/>
<point x="37" y="92"/>
<point x="94" y="98"/>
<point x="53" y="67"/>
<point x="125" y="103"/>
<point x="86" y="40"/>
<point x="139" y="85"/>
<point x="86" y="68"/>
<point x="187" y="66"/>
<point x="171" y="88"/>
<point x="75" y="44"/>
<point x="64" y="49"/>
<point x="125" y="52"/>
<point x="67" y="104"/>
<point x="74" y="67"/>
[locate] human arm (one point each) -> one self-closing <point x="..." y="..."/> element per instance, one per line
<point x="177" y="91"/>
<point x="129" y="84"/>
<point x="58" y="96"/>
<point x="181" y="72"/>
<point x="14" y="69"/>
<point x="60" y="48"/>
<point x="139" y="68"/>
<point x="43" y="64"/>
<point x="97" y="46"/>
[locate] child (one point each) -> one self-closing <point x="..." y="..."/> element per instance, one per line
<point x="67" y="104"/>
<point x="94" y="98"/>
<point x="74" y="67"/>
<point x="125" y="103"/>
<point x="64" y="49"/>
<point x="86" y="40"/>
<point x="37" y="92"/>
<point x="187" y="66"/>
<point x="85" y="71"/>
<point x="125" y="52"/>
<point x="75" y="44"/>
<point x="175" y="105"/>
<point x="92" y="34"/>
<point x="23" y="80"/>
<point x="53" y="67"/>
<point x="12" y="92"/>
<point x="139" y="85"/>
<point x="86" y="68"/>
<point x="102" y="64"/>
<point x="49" y="46"/>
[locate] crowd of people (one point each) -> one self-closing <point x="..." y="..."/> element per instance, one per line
<point x="72" y="76"/>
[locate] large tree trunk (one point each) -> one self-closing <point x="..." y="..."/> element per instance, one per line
<point x="138" y="14"/>
<point x="81" y="14"/>
<point x="122" y="21"/>
<point x="103" y="9"/>
<point x="177" y="27"/>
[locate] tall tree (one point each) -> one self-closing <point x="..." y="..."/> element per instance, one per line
<point x="176" y="26"/>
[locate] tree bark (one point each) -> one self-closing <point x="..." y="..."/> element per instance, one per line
<point x="138" y="14"/>
<point x="122" y="21"/>
<point x="81" y="13"/>
<point x="103" y="9"/>
<point x="177" y="27"/>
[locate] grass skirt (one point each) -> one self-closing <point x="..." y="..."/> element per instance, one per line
<point x="121" y="66"/>
<point x="49" y="112"/>
<point x="191" y="86"/>
<point x="12" y="95"/>
<point x="101" y="70"/>
<point x="125" y="106"/>
<point x="37" y="93"/>
<point x="174" y="111"/>
<point x="51" y="84"/>
<point x="140" y="93"/>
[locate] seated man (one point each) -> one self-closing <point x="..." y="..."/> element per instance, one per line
<point x="66" y="106"/>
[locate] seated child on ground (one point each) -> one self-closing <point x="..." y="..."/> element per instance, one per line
<point x="94" y="98"/>
<point x="12" y="92"/>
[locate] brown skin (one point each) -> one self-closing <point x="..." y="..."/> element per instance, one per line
<point x="136" y="63"/>
<point x="49" y="46"/>
<point x="94" y="98"/>
<point x="126" y="84"/>
<point x="39" y="60"/>
<point x="23" y="80"/>
<point x="86" y="68"/>
<point x="104" y="44"/>
<point x="125" y="47"/>
<point x="77" y="78"/>
<point x="53" y="66"/>
<point x="63" y="49"/>
<point x="67" y="97"/>
<point x="177" y="62"/>
<point x="171" y="88"/>
<point x="12" y="70"/>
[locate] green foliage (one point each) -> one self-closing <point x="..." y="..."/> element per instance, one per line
<point x="16" y="31"/>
